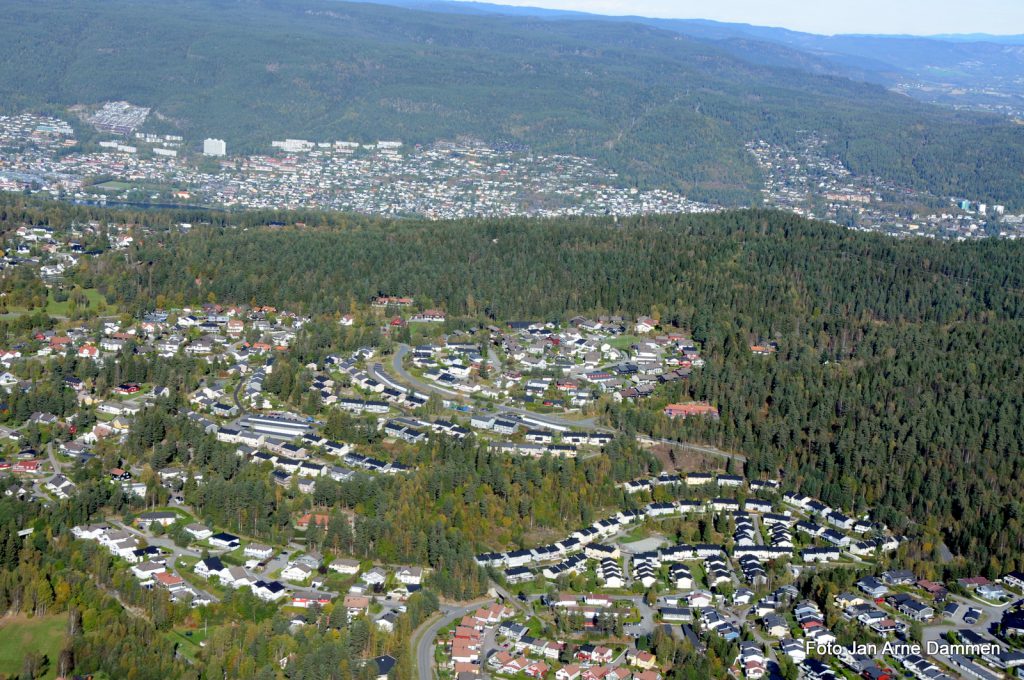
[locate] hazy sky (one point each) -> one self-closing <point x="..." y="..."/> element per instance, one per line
<point x="919" y="17"/>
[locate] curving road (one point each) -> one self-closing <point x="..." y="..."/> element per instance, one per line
<point x="423" y="640"/>
<point x="412" y="382"/>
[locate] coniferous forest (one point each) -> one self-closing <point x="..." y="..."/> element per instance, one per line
<point x="898" y="383"/>
<point x="897" y="387"/>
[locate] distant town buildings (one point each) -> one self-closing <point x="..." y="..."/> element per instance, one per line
<point x="444" y="180"/>
<point x="214" y="147"/>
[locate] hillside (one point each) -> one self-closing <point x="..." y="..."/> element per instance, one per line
<point x="660" y="108"/>
<point x="898" y="384"/>
<point x="969" y="60"/>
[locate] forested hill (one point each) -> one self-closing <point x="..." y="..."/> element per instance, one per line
<point x="768" y="272"/>
<point x="659" y="107"/>
<point x="899" y="384"/>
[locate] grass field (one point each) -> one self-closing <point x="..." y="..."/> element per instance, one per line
<point x="637" y="534"/>
<point x="55" y="308"/>
<point x="20" y="634"/>
<point x="624" y="341"/>
<point x="114" y="186"/>
<point x="188" y="645"/>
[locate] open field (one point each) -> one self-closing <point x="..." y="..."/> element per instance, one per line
<point x="189" y="641"/>
<point x="20" y="634"/>
<point x="114" y="186"/>
<point x="59" y="309"/>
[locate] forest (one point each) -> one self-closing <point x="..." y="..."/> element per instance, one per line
<point x="657" y="107"/>
<point x="899" y="381"/>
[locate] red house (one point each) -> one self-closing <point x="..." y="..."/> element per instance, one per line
<point x="309" y="518"/>
<point x="691" y="408"/>
<point x="26" y="466"/>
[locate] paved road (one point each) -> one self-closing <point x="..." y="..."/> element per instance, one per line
<point x="415" y="383"/>
<point x="57" y="465"/>
<point x="168" y="545"/>
<point x="411" y="381"/>
<point x="990" y="614"/>
<point x="423" y="642"/>
<point x="495" y="361"/>
<point x="161" y="542"/>
<point x="646" y="624"/>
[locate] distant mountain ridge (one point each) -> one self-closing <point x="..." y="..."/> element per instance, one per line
<point x="872" y="57"/>
<point x="660" y="107"/>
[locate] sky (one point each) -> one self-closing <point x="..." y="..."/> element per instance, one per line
<point x="916" y="17"/>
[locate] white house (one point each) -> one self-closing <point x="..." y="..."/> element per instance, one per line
<point x="343" y="566"/>
<point x="268" y="591"/>
<point x="258" y="550"/>
<point x="147" y="570"/>
<point x="211" y="566"/>
<point x="410" y="576"/>
<point x="198" y="531"/>
<point x="296" y="572"/>
<point x="375" y="576"/>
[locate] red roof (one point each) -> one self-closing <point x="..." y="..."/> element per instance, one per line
<point x="168" y="580"/>
<point x="308" y="518"/>
<point x="692" y="408"/>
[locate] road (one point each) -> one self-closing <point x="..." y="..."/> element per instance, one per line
<point x="57" y="465"/>
<point x="423" y="638"/>
<point x="161" y="542"/>
<point x="646" y="624"/>
<point x="991" y="614"/>
<point x="410" y="381"/>
<point x="168" y="545"/>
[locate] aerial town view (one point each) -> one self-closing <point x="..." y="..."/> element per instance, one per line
<point x="445" y="180"/>
<point x="455" y="341"/>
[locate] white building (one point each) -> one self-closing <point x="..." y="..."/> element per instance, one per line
<point x="214" y="147"/>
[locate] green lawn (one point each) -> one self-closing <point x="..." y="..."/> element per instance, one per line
<point x="113" y="185"/>
<point x="55" y="308"/>
<point x="19" y="634"/>
<point x="188" y="645"/>
<point x="624" y="341"/>
<point x="637" y="534"/>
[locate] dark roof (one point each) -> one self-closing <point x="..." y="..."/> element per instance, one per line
<point x="384" y="664"/>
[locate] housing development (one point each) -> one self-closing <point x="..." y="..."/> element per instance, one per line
<point x="744" y="571"/>
<point x="444" y="180"/>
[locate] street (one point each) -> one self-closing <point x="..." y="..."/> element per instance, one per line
<point x="423" y="641"/>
